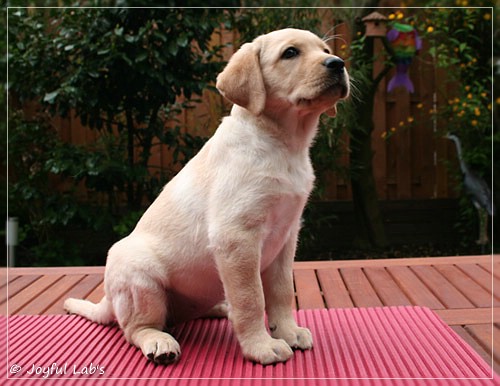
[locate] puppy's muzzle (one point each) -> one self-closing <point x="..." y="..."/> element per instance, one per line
<point x="336" y="69"/>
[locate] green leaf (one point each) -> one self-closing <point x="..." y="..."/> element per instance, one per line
<point x="173" y="48"/>
<point x="131" y="38"/>
<point x="182" y="40"/>
<point x="51" y="96"/>
<point x="141" y="57"/>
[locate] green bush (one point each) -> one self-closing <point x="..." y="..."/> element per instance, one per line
<point x="121" y="71"/>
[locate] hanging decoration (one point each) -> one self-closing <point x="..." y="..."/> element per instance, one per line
<point x="405" y="43"/>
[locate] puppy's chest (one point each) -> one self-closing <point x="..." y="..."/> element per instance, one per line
<point x="294" y="176"/>
<point x="282" y="221"/>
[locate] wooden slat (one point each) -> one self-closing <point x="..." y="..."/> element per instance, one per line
<point x="362" y="293"/>
<point x="467" y="316"/>
<point x="442" y="288"/>
<point x="80" y="290"/>
<point x="18" y="284"/>
<point x="414" y="289"/>
<point x="494" y="273"/>
<point x="483" y="334"/>
<point x="50" y="296"/>
<point x="478" y="274"/>
<point x="476" y="259"/>
<point x="396" y="262"/>
<point x="97" y="294"/>
<point x="464" y="334"/>
<point x="334" y="289"/>
<point x="55" y="270"/>
<point x="386" y="288"/>
<point x="473" y="291"/>
<point x="308" y="290"/>
<point x="24" y="297"/>
<point x="4" y="278"/>
<point x="492" y="267"/>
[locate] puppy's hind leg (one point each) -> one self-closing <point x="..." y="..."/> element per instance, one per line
<point x="101" y="312"/>
<point x="141" y="312"/>
<point x="219" y="311"/>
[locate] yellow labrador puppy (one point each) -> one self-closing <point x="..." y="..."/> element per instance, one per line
<point x="225" y="228"/>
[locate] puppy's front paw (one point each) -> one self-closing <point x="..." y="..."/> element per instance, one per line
<point x="268" y="351"/>
<point x="297" y="337"/>
<point x="161" y="348"/>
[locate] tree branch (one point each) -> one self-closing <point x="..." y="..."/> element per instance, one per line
<point x="387" y="67"/>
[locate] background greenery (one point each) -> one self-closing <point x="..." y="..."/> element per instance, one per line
<point x="121" y="72"/>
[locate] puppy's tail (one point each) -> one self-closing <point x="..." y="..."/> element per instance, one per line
<point x="101" y="312"/>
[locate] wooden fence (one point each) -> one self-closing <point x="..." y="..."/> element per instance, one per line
<point x="411" y="164"/>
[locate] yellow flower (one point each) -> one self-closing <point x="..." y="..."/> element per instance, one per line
<point x="430" y="29"/>
<point x="477" y="112"/>
<point x="473" y="122"/>
<point x="393" y="129"/>
<point x="410" y="119"/>
<point x="487" y="16"/>
<point x="401" y="123"/>
<point x="399" y="15"/>
<point x="392" y="16"/>
<point x="489" y="106"/>
<point x="484" y="95"/>
<point x="467" y="88"/>
<point x="384" y="135"/>
<point x="420" y="105"/>
<point x="456" y="100"/>
<point x="497" y="101"/>
<point x="469" y="96"/>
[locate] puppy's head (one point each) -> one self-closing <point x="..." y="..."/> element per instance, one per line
<point x="288" y="67"/>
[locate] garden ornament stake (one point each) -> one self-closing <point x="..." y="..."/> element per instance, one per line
<point x="479" y="192"/>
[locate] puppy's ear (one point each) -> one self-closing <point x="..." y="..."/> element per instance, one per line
<point x="241" y="81"/>
<point x="332" y="111"/>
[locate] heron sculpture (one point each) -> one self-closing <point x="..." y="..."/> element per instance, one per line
<point x="478" y="191"/>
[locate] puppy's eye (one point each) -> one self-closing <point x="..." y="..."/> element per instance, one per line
<point x="326" y="51"/>
<point x="290" y="52"/>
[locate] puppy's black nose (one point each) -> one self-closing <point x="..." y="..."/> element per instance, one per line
<point x="335" y="64"/>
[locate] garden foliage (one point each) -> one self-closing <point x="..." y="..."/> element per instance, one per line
<point x="124" y="73"/>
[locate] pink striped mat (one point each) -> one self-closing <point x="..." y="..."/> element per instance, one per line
<point x="371" y="346"/>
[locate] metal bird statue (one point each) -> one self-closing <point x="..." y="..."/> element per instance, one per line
<point x="479" y="192"/>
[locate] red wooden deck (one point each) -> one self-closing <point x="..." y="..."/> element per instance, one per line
<point x="464" y="291"/>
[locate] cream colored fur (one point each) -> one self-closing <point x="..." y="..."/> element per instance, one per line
<point x="225" y="228"/>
